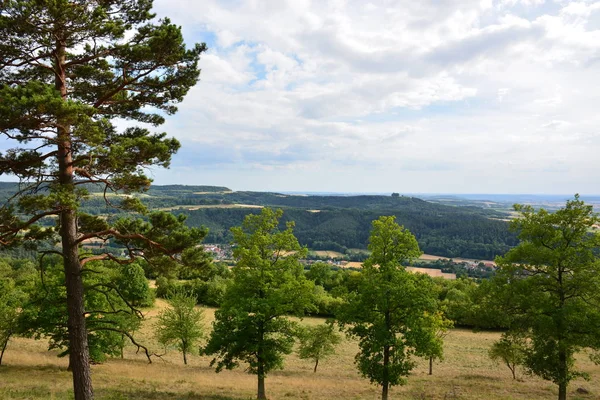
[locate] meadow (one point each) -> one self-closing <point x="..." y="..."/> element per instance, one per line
<point x="30" y="372"/>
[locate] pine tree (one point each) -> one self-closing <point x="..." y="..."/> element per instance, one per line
<point x="68" y="69"/>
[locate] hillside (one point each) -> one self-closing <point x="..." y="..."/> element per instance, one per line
<point x="329" y="222"/>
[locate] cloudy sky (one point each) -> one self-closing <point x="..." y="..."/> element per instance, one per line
<point x="428" y="96"/>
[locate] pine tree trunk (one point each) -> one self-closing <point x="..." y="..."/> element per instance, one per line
<point x="316" y="365"/>
<point x="184" y="358"/>
<point x="79" y="357"/>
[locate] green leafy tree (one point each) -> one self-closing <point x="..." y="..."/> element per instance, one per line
<point x="268" y="284"/>
<point x="439" y="327"/>
<point x="9" y="314"/>
<point x="390" y="311"/>
<point x="551" y="284"/>
<point x="111" y="318"/>
<point x="131" y="282"/>
<point x="317" y="342"/>
<point x="510" y="350"/>
<point x="180" y="324"/>
<point x="16" y="277"/>
<point x="67" y="69"/>
<point x="320" y="273"/>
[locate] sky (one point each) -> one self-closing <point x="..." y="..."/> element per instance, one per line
<point x="428" y="96"/>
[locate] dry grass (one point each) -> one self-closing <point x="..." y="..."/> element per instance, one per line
<point x="435" y="273"/>
<point x="30" y="372"/>
<point x="327" y="253"/>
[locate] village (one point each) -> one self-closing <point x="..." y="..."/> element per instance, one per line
<point x="434" y="266"/>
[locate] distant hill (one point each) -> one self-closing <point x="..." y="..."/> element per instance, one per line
<point x="441" y="230"/>
<point x="339" y="223"/>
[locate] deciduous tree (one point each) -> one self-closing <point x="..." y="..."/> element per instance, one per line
<point x="433" y="342"/>
<point x="111" y="317"/>
<point x="268" y="285"/>
<point x="68" y="68"/>
<point x="510" y="350"/>
<point x="180" y="324"/>
<point x="390" y="311"/>
<point x="551" y="282"/>
<point x="318" y="342"/>
<point x="16" y="279"/>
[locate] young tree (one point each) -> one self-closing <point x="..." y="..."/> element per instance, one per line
<point x="268" y="284"/>
<point x="67" y="69"/>
<point x="433" y="343"/>
<point x="180" y="324"/>
<point x="391" y="309"/>
<point x="552" y="288"/>
<point x="318" y="342"/>
<point x="510" y="349"/>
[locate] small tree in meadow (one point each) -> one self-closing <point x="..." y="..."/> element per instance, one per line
<point x="433" y="338"/>
<point x="318" y="342"/>
<point x="510" y="350"/>
<point x="180" y="324"/>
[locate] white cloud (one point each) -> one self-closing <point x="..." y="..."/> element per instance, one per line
<point x="475" y="95"/>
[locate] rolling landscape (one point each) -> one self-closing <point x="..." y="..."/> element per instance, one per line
<point x="299" y="199"/>
<point x="334" y="228"/>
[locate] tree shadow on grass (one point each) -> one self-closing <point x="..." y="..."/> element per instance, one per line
<point x="476" y="377"/>
<point x="139" y="394"/>
<point x="18" y="368"/>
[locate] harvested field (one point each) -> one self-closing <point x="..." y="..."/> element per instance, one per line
<point x="434" y="273"/>
<point x="327" y="253"/>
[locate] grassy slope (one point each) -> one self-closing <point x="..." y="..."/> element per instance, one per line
<point x="33" y="373"/>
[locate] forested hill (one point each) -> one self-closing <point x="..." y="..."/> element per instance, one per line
<point x="330" y="222"/>
<point x="440" y="230"/>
